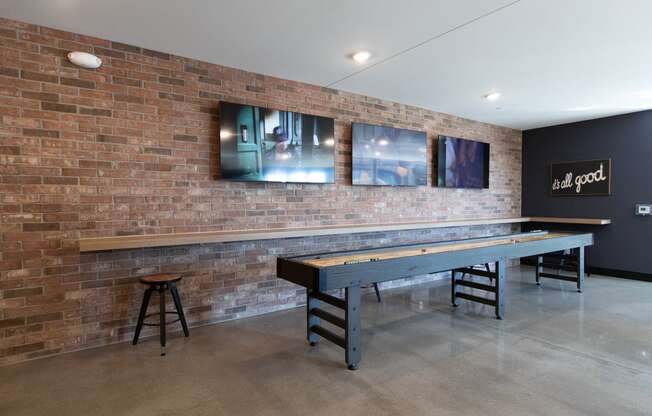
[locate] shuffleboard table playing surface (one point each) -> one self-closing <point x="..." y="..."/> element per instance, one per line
<point x="419" y="250"/>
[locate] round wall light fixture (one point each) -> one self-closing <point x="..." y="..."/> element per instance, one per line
<point x="84" y="60"/>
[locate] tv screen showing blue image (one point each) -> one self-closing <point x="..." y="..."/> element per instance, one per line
<point x="388" y="156"/>
<point x="265" y="145"/>
<point x="462" y="163"/>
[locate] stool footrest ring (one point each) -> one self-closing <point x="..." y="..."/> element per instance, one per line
<point x="157" y="314"/>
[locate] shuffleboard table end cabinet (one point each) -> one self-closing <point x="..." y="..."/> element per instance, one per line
<point x="350" y="270"/>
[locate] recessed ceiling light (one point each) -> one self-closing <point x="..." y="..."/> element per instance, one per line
<point x="492" y="96"/>
<point x="361" y="57"/>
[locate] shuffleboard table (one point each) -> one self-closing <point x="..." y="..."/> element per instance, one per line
<point x="321" y="273"/>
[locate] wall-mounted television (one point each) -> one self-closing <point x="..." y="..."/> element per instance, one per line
<point x="265" y="145"/>
<point x="388" y="156"/>
<point x="462" y="163"/>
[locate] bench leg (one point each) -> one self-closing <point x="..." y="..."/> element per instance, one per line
<point x="353" y="329"/>
<point x="141" y="316"/>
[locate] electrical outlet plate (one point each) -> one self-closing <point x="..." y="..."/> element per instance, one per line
<point x="644" y="209"/>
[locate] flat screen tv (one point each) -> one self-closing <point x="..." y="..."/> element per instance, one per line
<point x="388" y="156"/>
<point x="265" y="145"/>
<point x="462" y="163"/>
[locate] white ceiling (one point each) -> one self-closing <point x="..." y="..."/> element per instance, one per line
<point x="554" y="61"/>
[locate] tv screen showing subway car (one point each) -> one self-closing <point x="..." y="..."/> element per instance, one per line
<point x="388" y="156"/>
<point x="265" y="145"/>
<point x="462" y="163"/>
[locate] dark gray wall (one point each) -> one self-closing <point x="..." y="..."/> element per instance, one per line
<point x="626" y="244"/>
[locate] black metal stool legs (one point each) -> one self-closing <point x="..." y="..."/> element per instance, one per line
<point x="161" y="287"/>
<point x="141" y="316"/>
<point x="161" y="292"/>
<point x="177" y="304"/>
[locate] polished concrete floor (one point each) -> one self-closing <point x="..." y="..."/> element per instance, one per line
<point x="556" y="353"/>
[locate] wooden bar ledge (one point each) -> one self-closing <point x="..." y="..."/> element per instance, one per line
<point x="205" y="237"/>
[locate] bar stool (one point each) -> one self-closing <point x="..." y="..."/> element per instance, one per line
<point x="159" y="283"/>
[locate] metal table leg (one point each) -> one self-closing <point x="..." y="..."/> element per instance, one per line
<point x="539" y="269"/>
<point x="353" y="350"/>
<point x="312" y="320"/>
<point x="501" y="272"/>
<point x="580" y="269"/>
<point x="453" y="288"/>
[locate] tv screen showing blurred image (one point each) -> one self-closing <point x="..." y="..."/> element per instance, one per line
<point x="265" y="145"/>
<point x="462" y="163"/>
<point x="388" y="156"/>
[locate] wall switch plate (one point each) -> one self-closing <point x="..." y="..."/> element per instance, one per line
<point x="644" y="209"/>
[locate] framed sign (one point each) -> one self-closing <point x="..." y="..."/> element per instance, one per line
<point x="581" y="178"/>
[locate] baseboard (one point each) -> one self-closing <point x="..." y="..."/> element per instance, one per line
<point x="623" y="274"/>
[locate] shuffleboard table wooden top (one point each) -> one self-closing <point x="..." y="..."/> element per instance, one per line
<point x="383" y="254"/>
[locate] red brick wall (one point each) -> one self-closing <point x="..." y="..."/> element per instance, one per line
<point x="133" y="148"/>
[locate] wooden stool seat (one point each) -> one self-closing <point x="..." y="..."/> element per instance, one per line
<point x="160" y="278"/>
<point x="161" y="283"/>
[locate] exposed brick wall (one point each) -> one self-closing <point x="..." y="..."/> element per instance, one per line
<point x="133" y="148"/>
